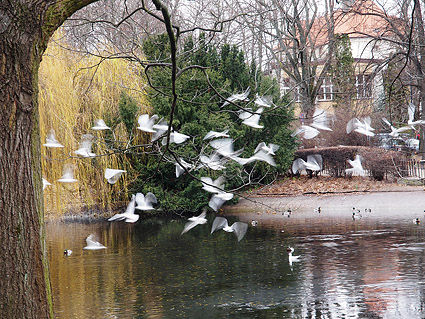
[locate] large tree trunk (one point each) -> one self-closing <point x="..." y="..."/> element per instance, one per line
<point x="25" y="27"/>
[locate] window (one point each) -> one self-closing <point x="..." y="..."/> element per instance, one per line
<point x="325" y="91"/>
<point x="288" y="88"/>
<point x="363" y="86"/>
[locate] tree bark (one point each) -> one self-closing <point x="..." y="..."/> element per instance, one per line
<point x="25" y="28"/>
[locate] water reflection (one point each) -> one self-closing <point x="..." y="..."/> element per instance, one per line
<point x="371" y="268"/>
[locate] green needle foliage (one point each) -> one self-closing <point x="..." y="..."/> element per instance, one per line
<point x="199" y="111"/>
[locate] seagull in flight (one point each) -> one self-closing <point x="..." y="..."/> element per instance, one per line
<point x="85" y="146"/>
<point x="362" y="126"/>
<point x="238" y="228"/>
<point x="112" y="175"/>
<point x="320" y="120"/>
<point x="51" y="140"/>
<point x="214" y="134"/>
<point x="217" y="200"/>
<point x="100" y="125"/>
<point x="93" y="244"/>
<point x="264" y="101"/>
<point x="128" y="216"/>
<point x="314" y="163"/>
<point x="395" y="132"/>
<point x="306" y="131"/>
<point x="68" y="174"/>
<point x="145" y="202"/>
<point x="146" y="124"/>
<point x="45" y="183"/>
<point x="252" y="118"/>
<point x="269" y="149"/>
<point x="357" y="168"/>
<point x="237" y="97"/>
<point x="194" y="221"/>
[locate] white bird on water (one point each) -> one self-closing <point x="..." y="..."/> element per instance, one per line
<point x="51" y="140"/>
<point x="291" y="258"/>
<point x="100" y="125"/>
<point x="145" y="202"/>
<point x="85" y="146"/>
<point x="357" y="168"/>
<point x="112" y="175"/>
<point x="238" y="228"/>
<point x="68" y="174"/>
<point x="128" y="216"/>
<point x="194" y="221"/>
<point x="93" y="244"/>
<point x="146" y="124"/>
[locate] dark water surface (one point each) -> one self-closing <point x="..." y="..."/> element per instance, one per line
<point x="367" y="268"/>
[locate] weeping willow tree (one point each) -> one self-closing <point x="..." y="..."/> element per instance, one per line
<point x="75" y="91"/>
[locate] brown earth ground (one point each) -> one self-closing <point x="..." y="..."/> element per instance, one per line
<point x="294" y="186"/>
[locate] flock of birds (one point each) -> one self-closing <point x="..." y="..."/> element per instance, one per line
<point x="223" y="151"/>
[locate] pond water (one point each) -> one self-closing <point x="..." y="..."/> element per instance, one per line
<point x="367" y="268"/>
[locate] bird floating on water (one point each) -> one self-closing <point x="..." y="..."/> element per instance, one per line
<point x="416" y="221"/>
<point x="67" y="252"/>
<point x="194" y="221"/>
<point x="292" y="258"/>
<point x="254" y="223"/>
<point x="238" y="228"/>
<point x="93" y="244"/>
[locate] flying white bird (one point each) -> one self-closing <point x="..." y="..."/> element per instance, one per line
<point x="217" y="200"/>
<point x="262" y="156"/>
<point x="68" y="174"/>
<point x="213" y="186"/>
<point x="93" y="244"/>
<point x="237" y="97"/>
<point x="360" y="126"/>
<point x="395" y="132"/>
<point x="145" y="202"/>
<point x="51" y="140"/>
<point x="45" y="183"/>
<point x="238" y="228"/>
<point x="161" y="127"/>
<point x="291" y="258"/>
<point x="175" y="137"/>
<point x="180" y="168"/>
<point x="85" y="146"/>
<point x="214" y="161"/>
<point x="100" y="125"/>
<point x="112" y="175"/>
<point x="128" y="216"/>
<point x="194" y="221"/>
<point x="214" y="134"/>
<point x="146" y="124"/>
<point x="269" y="149"/>
<point x="314" y="163"/>
<point x="306" y="131"/>
<point x="224" y="147"/>
<point x="320" y="120"/>
<point x="357" y="168"/>
<point x="265" y="101"/>
<point x="411" y="113"/>
<point x="252" y="118"/>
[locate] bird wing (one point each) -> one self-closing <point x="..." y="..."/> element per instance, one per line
<point x="239" y="229"/>
<point x="264" y="157"/>
<point x="216" y="202"/>
<point x="309" y="132"/>
<point x="223" y="145"/>
<point x="219" y="223"/>
<point x="150" y="198"/>
<point x="298" y="165"/>
<point x="260" y="146"/>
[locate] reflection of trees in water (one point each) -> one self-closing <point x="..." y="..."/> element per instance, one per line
<point x="149" y="269"/>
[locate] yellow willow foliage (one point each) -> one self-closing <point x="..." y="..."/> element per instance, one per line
<point x="75" y="90"/>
